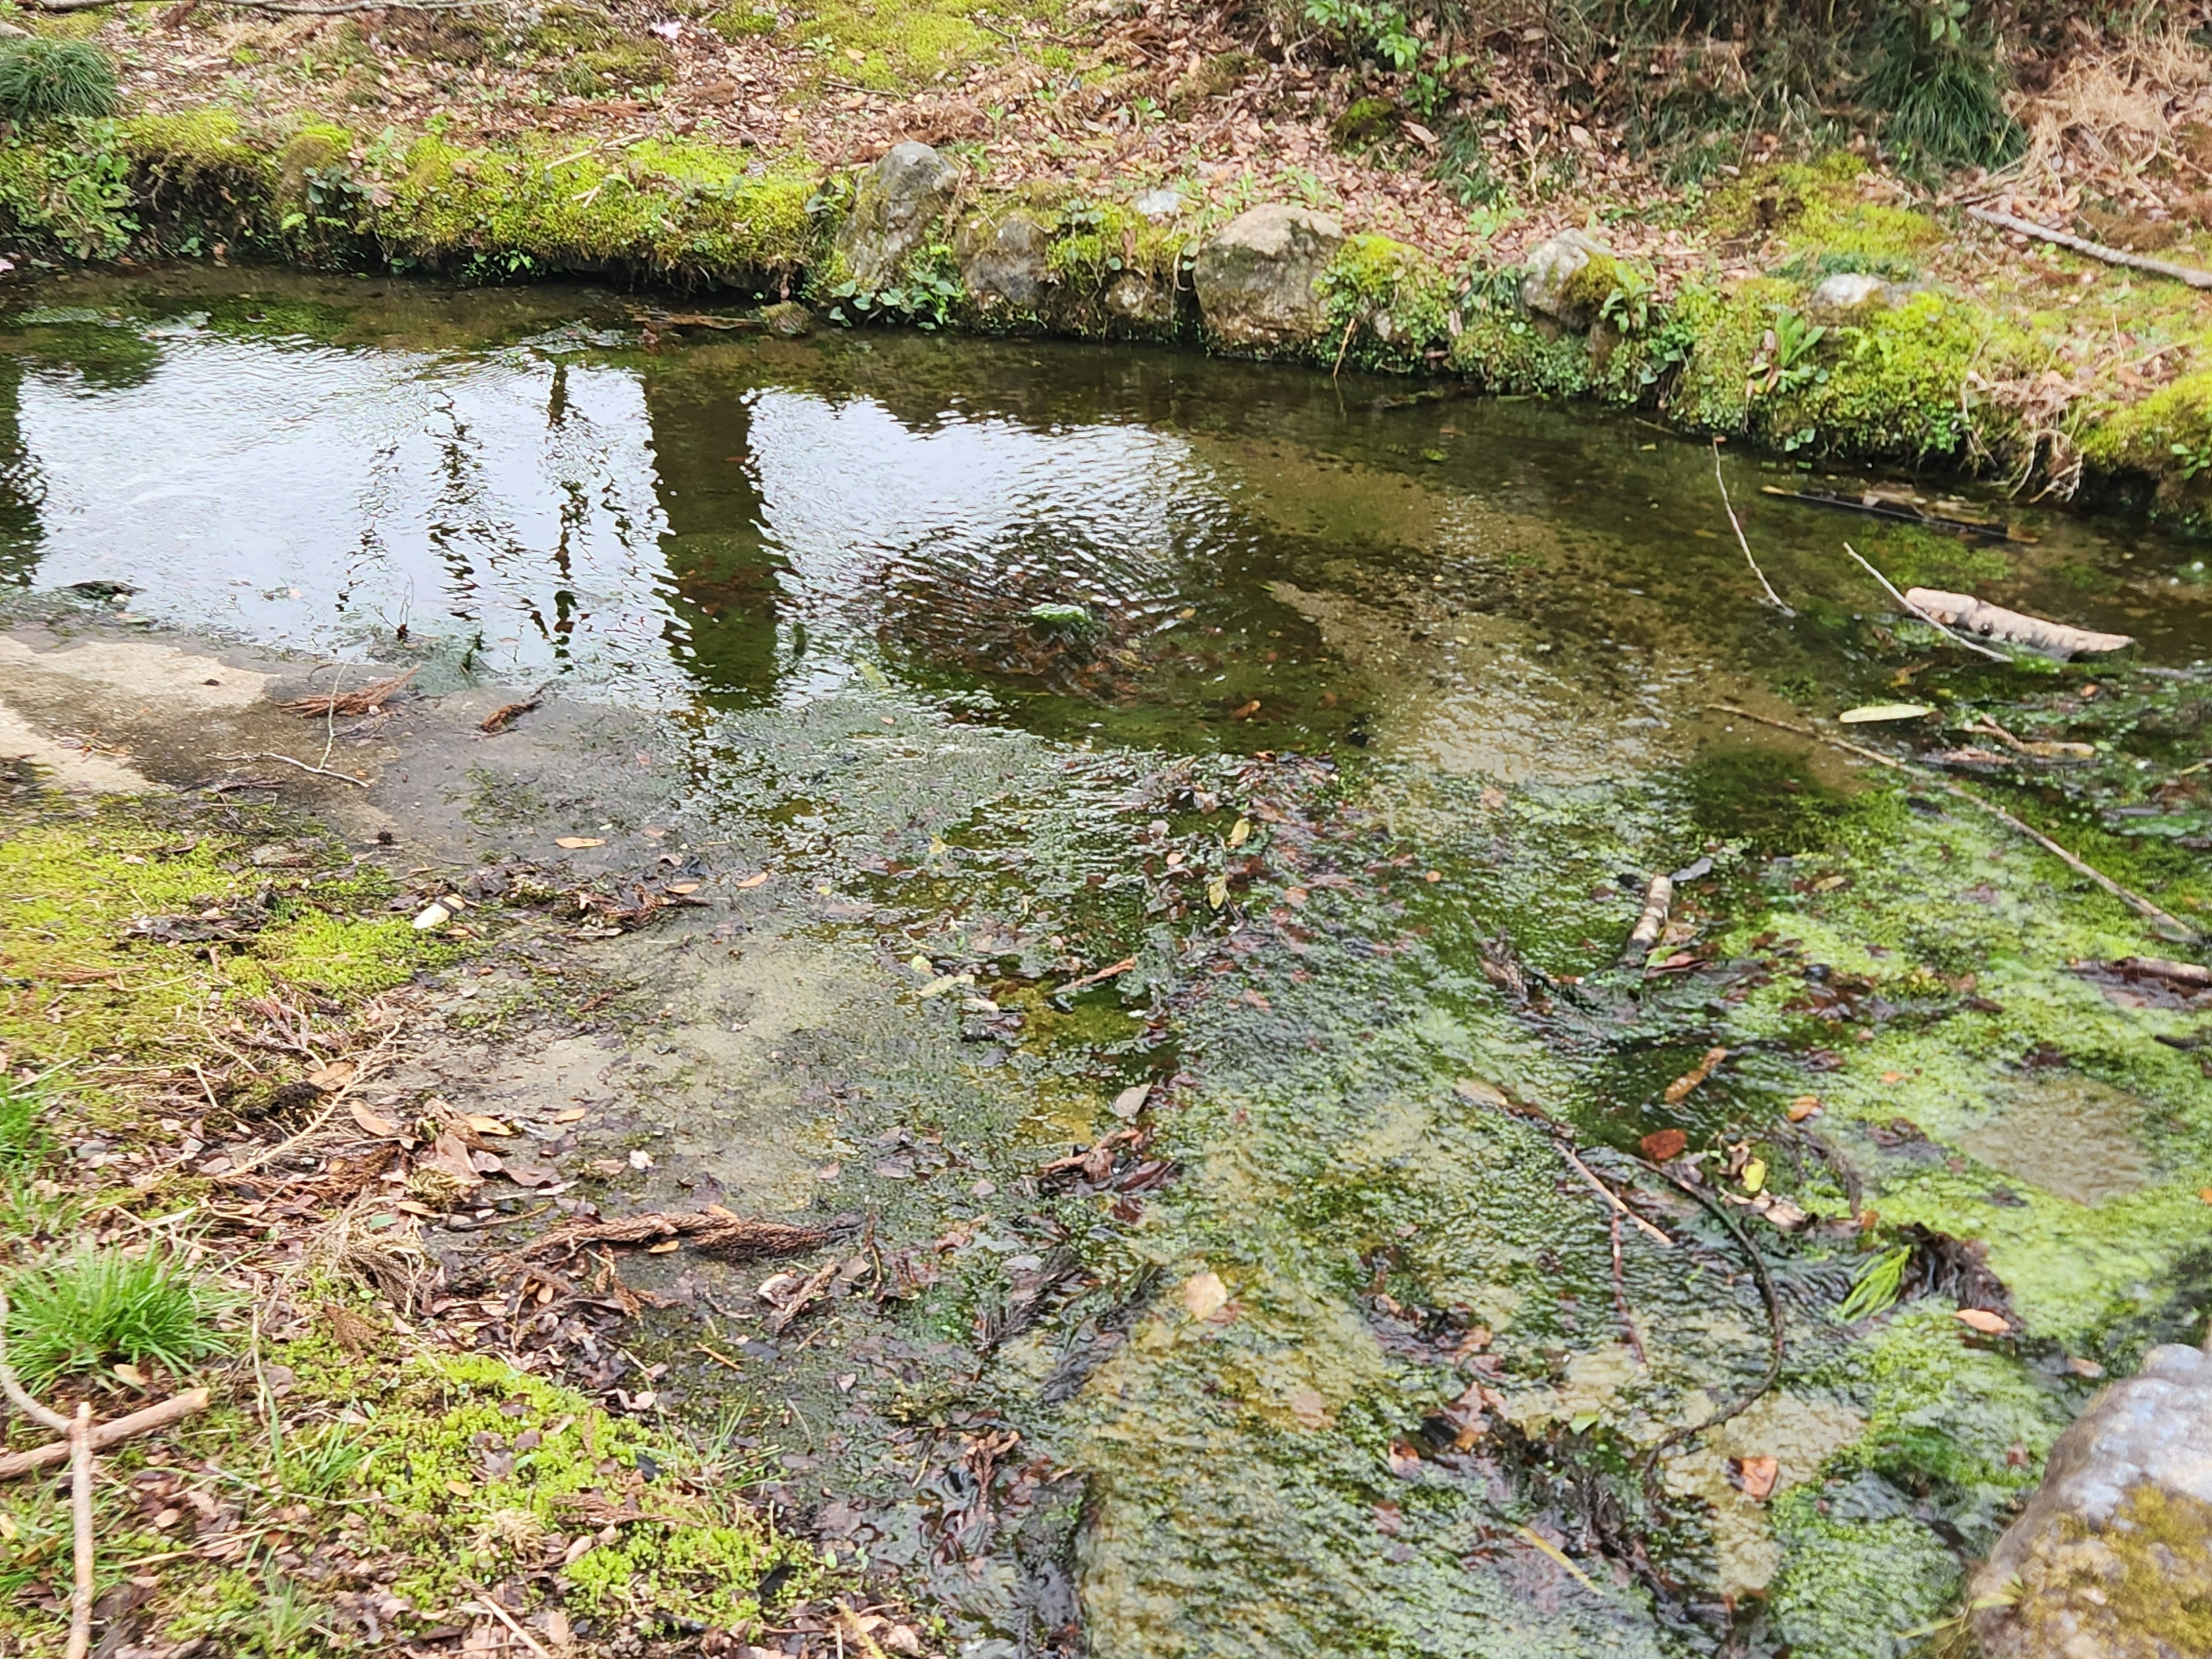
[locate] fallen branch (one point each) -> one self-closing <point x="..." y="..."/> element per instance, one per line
<point x="1658" y="903"/>
<point x="1949" y="610"/>
<point x="504" y="716"/>
<point x="1114" y="971"/>
<point x="2177" y="973"/>
<point x="79" y="1430"/>
<point x="1772" y="597"/>
<point x="2111" y="256"/>
<point x="1609" y="1195"/>
<point x="104" y="1435"/>
<point x="1889" y="588"/>
<point x="717" y="1230"/>
<point x="2142" y="907"/>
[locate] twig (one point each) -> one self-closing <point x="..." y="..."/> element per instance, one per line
<point x="506" y="1618"/>
<point x="1345" y="345"/>
<point x="2135" y="902"/>
<point x="362" y="1069"/>
<point x="1955" y="639"/>
<point x="79" y="1446"/>
<point x="105" y="1435"/>
<point x="2111" y="256"/>
<point x="1776" y="1329"/>
<point x="1609" y="1195"/>
<point x="1112" y="972"/>
<point x="1772" y="597"/>
<point x="318" y="771"/>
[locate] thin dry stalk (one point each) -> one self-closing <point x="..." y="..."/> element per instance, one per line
<point x="1741" y="541"/>
<point x="79" y="1431"/>
<point x="719" y="1232"/>
<point x="1889" y="588"/>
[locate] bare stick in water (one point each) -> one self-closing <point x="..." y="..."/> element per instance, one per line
<point x="1658" y="903"/>
<point x="1743" y="541"/>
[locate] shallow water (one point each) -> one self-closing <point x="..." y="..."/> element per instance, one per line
<point x="980" y="634"/>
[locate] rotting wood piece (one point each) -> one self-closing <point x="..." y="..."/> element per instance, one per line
<point x="1651" y="922"/>
<point x="2177" y="973"/>
<point x="359" y="701"/>
<point x="717" y="1231"/>
<point x="1993" y="621"/>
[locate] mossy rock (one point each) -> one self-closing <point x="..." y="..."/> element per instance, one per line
<point x="1389" y="303"/>
<point x="1363" y="121"/>
<point x="316" y="149"/>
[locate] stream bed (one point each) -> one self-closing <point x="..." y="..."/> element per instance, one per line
<point x="1165" y="831"/>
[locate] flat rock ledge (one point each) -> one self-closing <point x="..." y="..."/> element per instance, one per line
<point x="2112" y="1557"/>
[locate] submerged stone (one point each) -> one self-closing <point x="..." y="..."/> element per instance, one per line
<point x="895" y="209"/>
<point x="2112" y="1557"/>
<point x="787" y="320"/>
<point x="1260" y="277"/>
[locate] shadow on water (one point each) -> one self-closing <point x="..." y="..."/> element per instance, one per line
<point x="1355" y="716"/>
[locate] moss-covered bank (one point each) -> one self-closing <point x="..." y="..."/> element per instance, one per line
<point x="1920" y="373"/>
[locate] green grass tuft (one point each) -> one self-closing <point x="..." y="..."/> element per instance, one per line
<point x="96" y="1306"/>
<point x="40" y="78"/>
<point x="22" y="1131"/>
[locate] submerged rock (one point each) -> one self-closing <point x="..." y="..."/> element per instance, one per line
<point x="896" y="206"/>
<point x="787" y="320"/>
<point x="1554" y="284"/>
<point x="2112" y="1557"/>
<point x="1258" y="278"/>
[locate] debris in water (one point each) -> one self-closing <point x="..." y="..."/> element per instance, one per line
<point x="1678" y="1089"/>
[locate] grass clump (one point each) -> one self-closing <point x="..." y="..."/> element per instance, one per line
<point x="98" y="1305"/>
<point x="41" y="79"/>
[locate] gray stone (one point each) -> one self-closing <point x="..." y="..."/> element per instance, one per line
<point x="1846" y="296"/>
<point x="1549" y="275"/>
<point x="1258" y="278"/>
<point x="895" y="208"/>
<point x="1141" y="302"/>
<point x="1159" y="204"/>
<point x="2130" y="1483"/>
<point x="1002" y="261"/>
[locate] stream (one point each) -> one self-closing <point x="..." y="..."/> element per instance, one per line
<point x="1243" y="1299"/>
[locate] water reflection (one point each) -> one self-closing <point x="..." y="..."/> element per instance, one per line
<point x="1173" y="553"/>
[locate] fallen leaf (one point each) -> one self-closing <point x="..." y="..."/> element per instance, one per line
<point x="1481" y="1093"/>
<point x="431" y="917"/>
<point x="1240" y="832"/>
<point x="664" y="1247"/>
<point x="1492" y="798"/>
<point x="1131" y="1101"/>
<point x="1893" y="1077"/>
<point x="1204" y="1294"/>
<point x="1803" y="1107"/>
<point x="1405" y="1458"/>
<point x="1308" y="1407"/>
<point x="529" y="1174"/>
<point x="1660" y="1145"/>
<point x="1755" y="1477"/>
<point x="1983" y="1320"/>
<point x="371" y="1123"/>
<point x="641" y="1159"/>
<point x="333" y="1076"/>
<point x="752" y="881"/>
<point x="573" y="842"/>
<point x="682" y="889"/>
<point x="1680" y="1087"/>
<point x="487" y="1125"/>
<point x="1246" y="711"/>
<point x="573" y="1114"/>
<point x="130" y="1374"/>
<point x="1869" y="713"/>
<point x="1755" y="1174"/>
<point x="1216" y="892"/>
<point x="939" y="987"/>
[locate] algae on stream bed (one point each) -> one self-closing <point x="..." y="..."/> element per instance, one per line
<point x="1381" y="716"/>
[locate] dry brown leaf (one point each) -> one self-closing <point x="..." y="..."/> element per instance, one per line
<point x="1204" y="1294"/>
<point x="1660" y="1145"/>
<point x="1754" y="1476"/>
<point x="1680" y="1088"/>
<point x="370" y="1122"/>
<point x="487" y="1125"/>
<point x="752" y="881"/>
<point x="572" y="843"/>
<point x="1983" y="1320"/>
<point x="1803" y="1107"/>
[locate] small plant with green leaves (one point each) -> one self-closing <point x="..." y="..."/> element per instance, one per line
<point x="1875" y="1286"/>
<point x="1628" y="304"/>
<point x="22" y="1128"/>
<point x="98" y="1306"/>
<point x="41" y="79"/>
<point x="1785" y="360"/>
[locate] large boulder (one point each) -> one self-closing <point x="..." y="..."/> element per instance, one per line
<point x="2112" y="1557"/>
<point x="1258" y="278"/>
<point x="895" y="210"/>
<point x="1557" y="281"/>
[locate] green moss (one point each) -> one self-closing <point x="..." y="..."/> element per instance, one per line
<point x="736" y="23"/>
<point x="1392" y="298"/>
<point x="2167" y="436"/>
<point x="1849" y="1585"/>
<point x="457" y="1514"/>
<point x="1821" y="204"/>
<point x="1363" y="121"/>
<point x="666" y="208"/>
<point x="896" y="43"/>
<point x="620" y="66"/>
